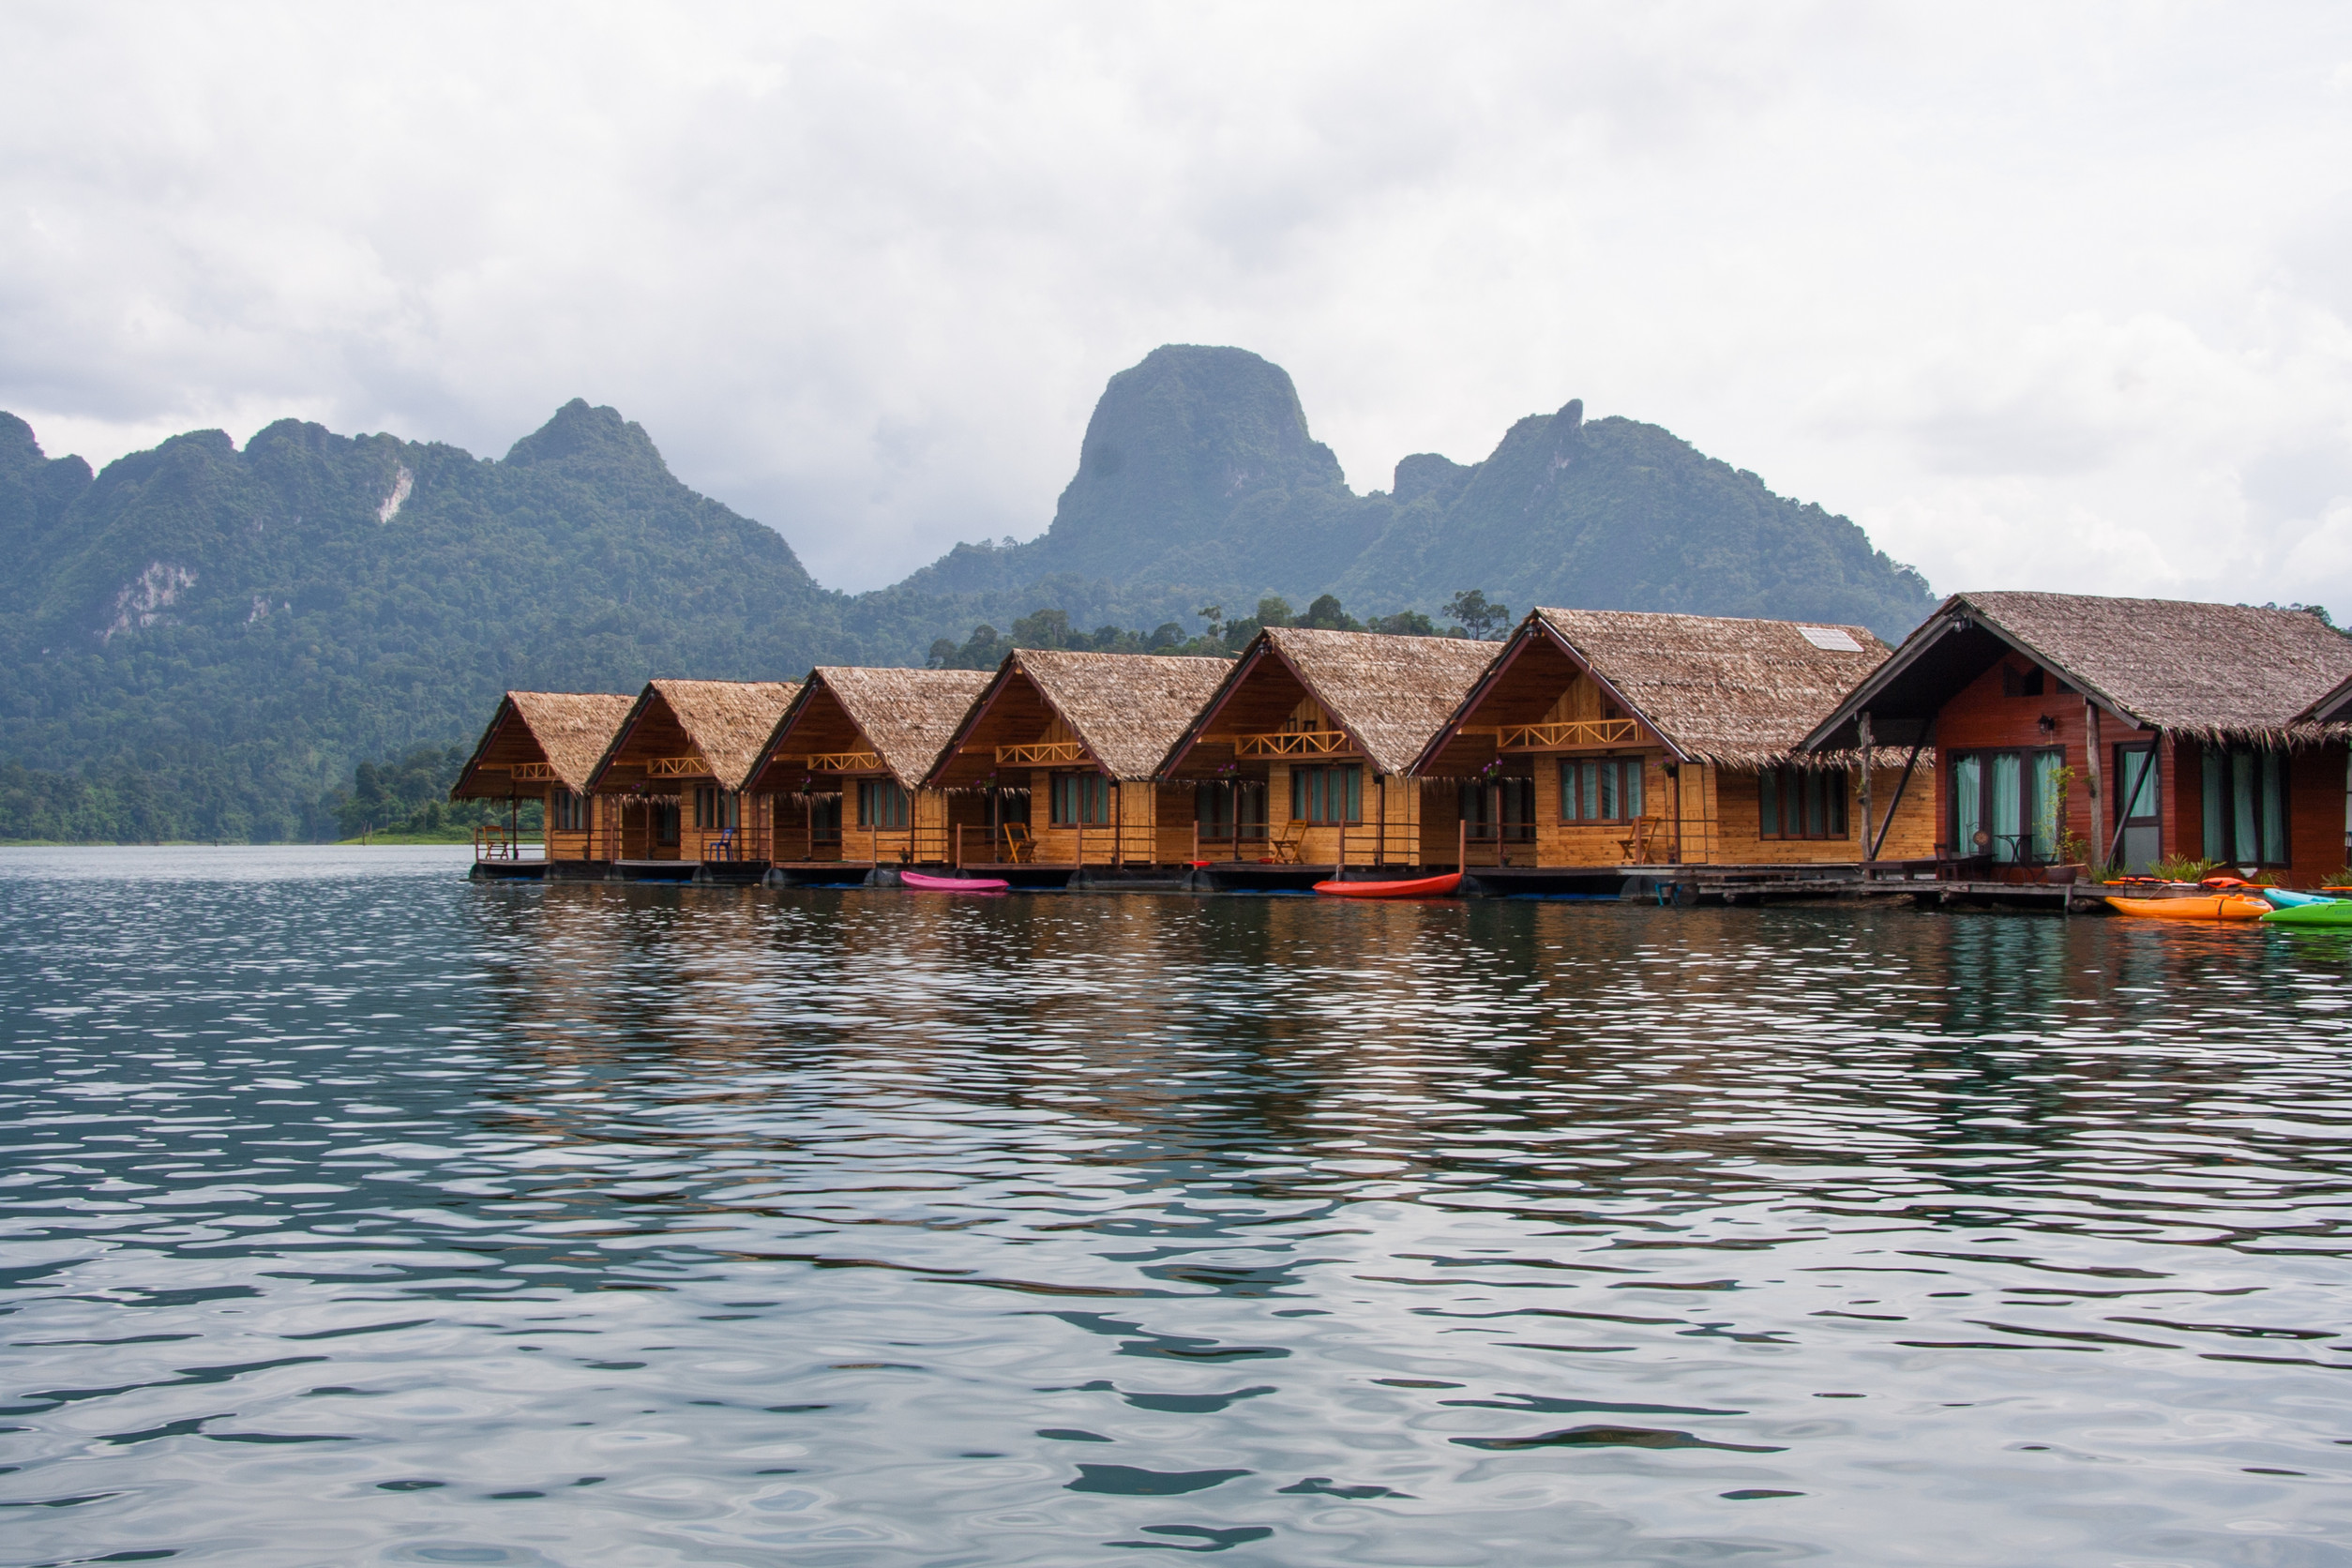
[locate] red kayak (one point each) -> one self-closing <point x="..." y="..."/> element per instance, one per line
<point x="921" y="883"/>
<point x="1420" y="887"/>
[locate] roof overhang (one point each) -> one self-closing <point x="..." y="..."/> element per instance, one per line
<point x="757" y="780"/>
<point x="2334" y="708"/>
<point x="985" y="704"/>
<point x="601" y="782"/>
<point x="1261" y="647"/>
<point x="1530" y="630"/>
<point x="1938" y="660"/>
<point x="470" y="784"/>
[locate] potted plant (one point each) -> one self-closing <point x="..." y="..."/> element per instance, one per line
<point x="2073" y="849"/>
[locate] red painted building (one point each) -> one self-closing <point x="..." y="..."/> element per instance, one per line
<point x="2066" y="728"/>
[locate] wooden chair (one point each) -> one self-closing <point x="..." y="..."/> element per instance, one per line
<point x="1282" y="846"/>
<point x="1640" y="847"/>
<point x="1019" y="848"/>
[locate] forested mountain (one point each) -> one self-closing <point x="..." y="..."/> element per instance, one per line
<point x="224" y="633"/>
<point x="206" y="639"/>
<point x="1198" y="483"/>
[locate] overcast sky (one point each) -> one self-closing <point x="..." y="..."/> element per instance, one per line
<point x="2043" y="296"/>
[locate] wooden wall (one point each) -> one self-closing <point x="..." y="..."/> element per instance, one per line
<point x="2316" y="791"/>
<point x="1151" y="824"/>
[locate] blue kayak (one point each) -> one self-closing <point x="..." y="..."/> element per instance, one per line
<point x="2283" y="898"/>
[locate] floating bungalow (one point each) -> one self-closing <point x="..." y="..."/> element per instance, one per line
<point x="673" y="779"/>
<point x="2074" y="729"/>
<point x="1301" y="756"/>
<point x="543" y="745"/>
<point x="1056" y="762"/>
<point x="849" y="758"/>
<point x="1608" y="742"/>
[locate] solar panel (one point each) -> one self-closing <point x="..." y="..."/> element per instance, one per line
<point x="1835" y="638"/>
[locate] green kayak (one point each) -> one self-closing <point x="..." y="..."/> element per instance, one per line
<point x="2335" y="912"/>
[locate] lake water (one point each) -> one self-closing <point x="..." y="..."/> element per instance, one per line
<point x="357" y="1214"/>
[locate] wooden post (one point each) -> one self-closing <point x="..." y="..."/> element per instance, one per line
<point x="1862" y="726"/>
<point x="2092" y="772"/>
<point x="1677" y="793"/>
<point x="1379" y="850"/>
<point x="1461" y="844"/>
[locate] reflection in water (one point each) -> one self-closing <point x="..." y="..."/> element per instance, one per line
<point x="356" y="1214"/>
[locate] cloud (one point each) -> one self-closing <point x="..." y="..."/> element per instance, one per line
<point x="2043" y="298"/>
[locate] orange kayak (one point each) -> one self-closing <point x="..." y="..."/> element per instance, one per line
<point x="1420" y="887"/>
<point x="2222" y="906"/>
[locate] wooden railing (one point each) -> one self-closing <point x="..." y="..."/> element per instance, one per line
<point x="843" y="761"/>
<point x="492" y="843"/>
<point x="1041" y="754"/>
<point x="1247" y="844"/>
<point x="1295" y="743"/>
<point x="532" y="773"/>
<point x="1567" y="732"/>
<point x="675" y="767"/>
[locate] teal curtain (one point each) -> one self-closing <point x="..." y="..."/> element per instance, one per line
<point x="1968" y="802"/>
<point x="2274" y="807"/>
<point x="1633" y="788"/>
<point x="2007" y="784"/>
<point x="2050" y="811"/>
<point x="2139" y="771"/>
<point x="2245" y="807"/>
<point x="2216" y="805"/>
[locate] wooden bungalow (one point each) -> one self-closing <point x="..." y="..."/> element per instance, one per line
<point x="1301" y="756"/>
<point x="676" y="772"/>
<point x="1601" y="739"/>
<point x="1057" y="760"/>
<point x="544" y="746"/>
<point x="851" y="755"/>
<point x="2069" y="727"/>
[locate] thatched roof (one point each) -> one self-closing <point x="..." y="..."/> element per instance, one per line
<point x="568" y="730"/>
<point x="726" y="722"/>
<point x="2211" y="672"/>
<point x="907" y="716"/>
<point x="1390" y="694"/>
<point x="2334" y="709"/>
<point x="1738" y="693"/>
<point x="1126" y="709"/>
<point x="2207" y="672"/>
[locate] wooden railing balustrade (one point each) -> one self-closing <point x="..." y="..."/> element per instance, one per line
<point x="1562" y="734"/>
<point x="1294" y="743"/>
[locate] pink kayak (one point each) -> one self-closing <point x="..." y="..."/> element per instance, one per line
<point x="921" y="883"/>
<point x="1420" y="887"/>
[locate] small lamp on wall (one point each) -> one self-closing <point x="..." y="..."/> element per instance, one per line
<point x="2048" y="725"/>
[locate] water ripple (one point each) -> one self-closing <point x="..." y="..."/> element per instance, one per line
<point x="351" y="1213"/>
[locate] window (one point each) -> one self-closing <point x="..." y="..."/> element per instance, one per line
<point x="1800" y="803"/>
<point x="1231" y="809"/>
<point x="567" y="811"/>
<point x="1080" y="797"/>
<point x="1604" y="789"/>
<point x="1327" y="795"/>
<point x="715" y="808"/>
<point x="824" y="819"/>
<point x="2005" y="803"/>
<point x="2141" y="842"/>
<point x="882" y="803"/>
<point x="2245" y="806"/>
<point x="2021" y="683"/>
<point x="665" y="821"/>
